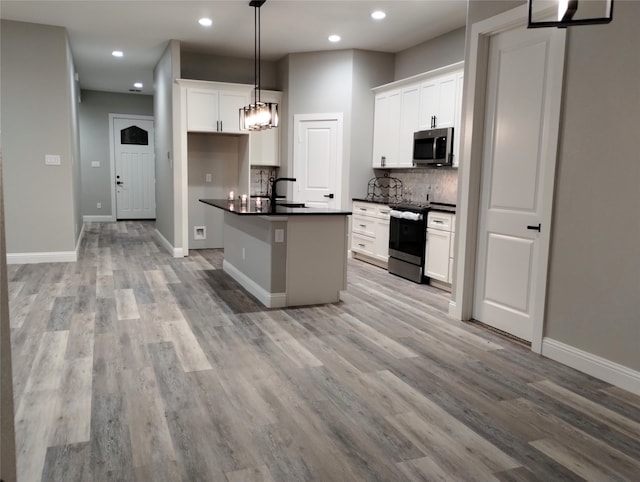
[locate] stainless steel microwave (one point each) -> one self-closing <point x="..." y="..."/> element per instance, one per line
<point x="433" y="147"/>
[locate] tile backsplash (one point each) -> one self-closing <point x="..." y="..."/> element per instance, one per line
<point x="260" y="179"/>
<point x="416" y="182"/>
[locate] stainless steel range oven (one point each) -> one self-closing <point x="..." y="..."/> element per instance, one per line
<point x="407" y="236"/>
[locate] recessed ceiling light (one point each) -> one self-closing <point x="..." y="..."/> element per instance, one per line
<point x="334" y="38"/>
<point x="378" y="15"/>
<point x="205" y="22"/>
<point x="138" y="85"/>
<point x="117" y="53"/>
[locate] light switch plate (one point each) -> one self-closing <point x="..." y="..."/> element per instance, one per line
<point x="279" y="235"/>
<point x="95" y="163"/>
<point x="52" y="160"/>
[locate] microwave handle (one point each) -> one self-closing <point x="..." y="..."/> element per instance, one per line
<point x="435" y="150"/>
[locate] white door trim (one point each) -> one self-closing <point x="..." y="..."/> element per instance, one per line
<point x="112" y="155"/>
<point x="470" y="169"/>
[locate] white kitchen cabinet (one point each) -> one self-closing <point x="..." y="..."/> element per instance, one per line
<point x="265" y="145"/>
<point x="395" y="121"/>
<point x="408" y="124"/>
<point x="438" y="252"/>
<point x="438" y="102"/>
<point x="370" y="232"/>
<point x="213" y="110"/>
<point x="386" y="129"/>
<point x="406" y="106"/>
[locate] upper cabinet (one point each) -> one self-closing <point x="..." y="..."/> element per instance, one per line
<point x="395" y="121"/>
<point x="425" y="101"/>
<point x="265" y="145"/>
<point x="386" y="129"/>
<point x="213" y="109"/>
<point x="438" y="102"/>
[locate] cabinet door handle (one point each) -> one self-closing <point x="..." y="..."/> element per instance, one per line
<point x="383" y="161"/>
<point x="361" y="245"/>
<point x="363" y="225"/>
<point x="535" y="228"/>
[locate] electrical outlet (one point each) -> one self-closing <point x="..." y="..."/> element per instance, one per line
<point x="243" y="253"/>
<point x="99" y="205"/>
<point x="207" y="177"/>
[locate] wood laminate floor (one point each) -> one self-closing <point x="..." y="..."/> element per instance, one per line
<point x="131" y="365"/>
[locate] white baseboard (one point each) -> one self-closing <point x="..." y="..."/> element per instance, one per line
<point x="99" y="219"/>
<point x="47" y="257"/>
<point x="175" y="252"/>
<point x="42" y="257"/>
<point x="270" y="300"/>
<point x="614" y="373"/>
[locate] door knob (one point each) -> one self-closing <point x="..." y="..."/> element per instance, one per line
<point x="534" y="228"/>
<point x="119" y="182"/>
<point x="330" y="196"/>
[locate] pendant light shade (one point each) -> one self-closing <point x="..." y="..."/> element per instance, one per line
<point x="258" y="115"/>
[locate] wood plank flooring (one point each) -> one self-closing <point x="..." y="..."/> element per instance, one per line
<point x="130" y="365"/>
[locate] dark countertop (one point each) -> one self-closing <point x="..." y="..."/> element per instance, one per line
<point x="251" y="210"/>
<point x="433" y="206"/>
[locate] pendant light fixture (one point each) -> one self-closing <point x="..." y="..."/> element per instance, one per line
<point x="569" y="13"/>
<point x="259" y="115"/>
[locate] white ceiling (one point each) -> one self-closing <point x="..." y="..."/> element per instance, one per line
<point x="142" y="28"/>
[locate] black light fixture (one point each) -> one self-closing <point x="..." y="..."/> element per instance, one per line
<point x="259" y="115"/>
<point x="569" y="12"/>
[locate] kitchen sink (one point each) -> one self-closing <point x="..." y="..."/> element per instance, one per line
<point x="286" y="204"/>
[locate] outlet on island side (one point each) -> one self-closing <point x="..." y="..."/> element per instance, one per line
<point x="99" y="205"/>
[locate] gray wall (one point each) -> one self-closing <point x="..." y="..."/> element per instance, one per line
<point x="39" y="117"/>
<point x="200" y="66"/>
<point x="594" y="269"/>
<point x="320" y="82"/>
<point x="370" y="69"/>
<point x="94" y="143"/>
<point x="217" y="155"/>
<point x="339" y="81"/>
<point x="594" y="275"/>
<point x="7" y="427"/>
<point x="444" y="50"/>
<point x="167" y="69"/>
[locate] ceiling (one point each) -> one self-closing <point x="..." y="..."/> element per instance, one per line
<point x="141" y="29"/>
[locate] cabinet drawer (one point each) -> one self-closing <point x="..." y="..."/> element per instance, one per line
<point x="363" y="244"/>
<point x="371" y="209"/>
<point x="438" y="220"/>
<point x="364" y="225"/>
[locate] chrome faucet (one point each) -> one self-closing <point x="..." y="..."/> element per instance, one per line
<point x="274" y="183"/>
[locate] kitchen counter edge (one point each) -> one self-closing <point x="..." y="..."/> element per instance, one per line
<point x="250" y="209"/>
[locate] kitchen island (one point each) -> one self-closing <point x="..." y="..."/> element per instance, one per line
<point x="286" y="256"/>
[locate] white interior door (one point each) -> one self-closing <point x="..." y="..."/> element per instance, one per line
<point x="134" y="168"/>
<point x="317" y="158"/>
<point x="522" y="112"/>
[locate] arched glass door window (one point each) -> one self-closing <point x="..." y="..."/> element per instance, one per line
<point x="134" y="135"/>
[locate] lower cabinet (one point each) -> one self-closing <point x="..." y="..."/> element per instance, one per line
<point x="439" y="251"/>
<point x="370" y="233"/>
